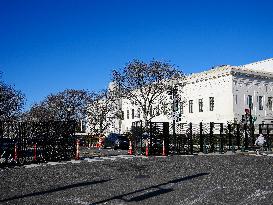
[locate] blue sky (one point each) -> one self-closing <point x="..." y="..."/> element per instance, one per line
<point x="47" y="46"/>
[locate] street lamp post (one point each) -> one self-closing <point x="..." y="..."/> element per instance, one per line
<point x="69" y="109"/>
<point x="173" y="93"/>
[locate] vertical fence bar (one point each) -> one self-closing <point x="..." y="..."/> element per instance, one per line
<point x="238" y="138"/>
<point x="229" y="137"/>
<point x="166" y="137"/>
<point x="268" y="140"/>
<point x="211" y="137"/>
<point x="221" y="150"/>
<point x="190" y="139"/>
<point x="201" y="140"/>
<point x="246" y="137"/>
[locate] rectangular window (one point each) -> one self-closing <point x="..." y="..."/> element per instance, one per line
<point x="122" y="115"/>
<point x="133" y="113"/>
<point x="261" y="103"/>
<point x="200" y="103"/>
<point x="181" y="107"/>
<point x="270" y="103"/>
<point x="157" y="111"/>
<point x="138" y="112"/>
<point x="190" y="106"/>
<point x="165" y="108"/>
<point x="128" y="114"/>
<point x="249" y="101"/>
<point x="211" y="103"/>
<point x="236" y="100"/>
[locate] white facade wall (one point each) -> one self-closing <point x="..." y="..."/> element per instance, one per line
<point x="256" y="85"/>
<point x="228" y="85"/>
<point x="216" y="84"/>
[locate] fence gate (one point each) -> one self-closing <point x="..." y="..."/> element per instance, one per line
<point x="267" y="131"/>
<point x="181" y="138"/>
<point x="155" y="134"/>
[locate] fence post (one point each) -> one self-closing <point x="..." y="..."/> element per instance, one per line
<point x="201" y="138"/>
<point x="77" y="150"/>
<point x="246" y="138"/>
<point x="190" y="139"/>
<point x="229" y="137"/>
<point x="268" y="140"/>
<point x="35" y="152"/>
<point x="166" y="137"/>
<point x="211" y="140"/>
<point x="260" y="128"/>
<point x="221" y="150"/>
<point x="238" y="136"/>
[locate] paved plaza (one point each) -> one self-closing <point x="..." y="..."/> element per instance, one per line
<point x="123" y="179"/>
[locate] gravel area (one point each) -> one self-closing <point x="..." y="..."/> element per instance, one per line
<point x="202" y="179"/>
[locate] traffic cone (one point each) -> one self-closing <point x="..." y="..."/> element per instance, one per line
<point x="77" y="157"/>
<point x="164" y="150"/>
<point x="35" y="149"/>
<point x="15" y="152"/>
<point x="130" y="151"/>
<point x="100" y="142"/>
<point x="147" y="148"/>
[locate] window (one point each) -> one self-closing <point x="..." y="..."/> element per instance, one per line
<point x="128" y="114"/>
<point x="133" y="113"/>
<point x="270" y="103"/>
<point x="165" y="109"/>
<point x="122" y="115"/>
<point x="190" y="106"/>
<point x="260" y="102"/>
<point x="211" y="103"/>
<point x="200" y="103"/>
<point x="181" y="107"/>
<point x="157" y="111"/>
<point x="249" y="101"/>
<point x="236" y="100"/>
<point x="138" y="112"/>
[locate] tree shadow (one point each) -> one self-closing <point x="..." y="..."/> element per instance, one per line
<point x="150" y="193"/>
<point x="56" y="190"/>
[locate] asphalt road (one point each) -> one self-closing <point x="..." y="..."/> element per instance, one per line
<point x="122" y="179"/>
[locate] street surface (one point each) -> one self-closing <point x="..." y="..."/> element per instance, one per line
<point x="117" y="178"/>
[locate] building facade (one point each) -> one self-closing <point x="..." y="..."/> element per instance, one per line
<point x="222" y="94"/>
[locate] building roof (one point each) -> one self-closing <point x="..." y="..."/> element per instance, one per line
<point x="263" y="69"/>
<point x="262" y="66"/>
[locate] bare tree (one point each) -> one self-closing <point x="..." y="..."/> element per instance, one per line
<point x="11" y="102"/>
<point x="102" y="112"/>
<point x="69" y="104"/>
<point x="145" y="84"/>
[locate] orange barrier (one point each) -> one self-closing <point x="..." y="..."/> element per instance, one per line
<point x="77" y="157"/>
<point x="35" y="149"/>
<point x="130" y="151"/>
<point x="15" y="152"/>
<point x="164" y="150"/>
<point x="147" y="148"/>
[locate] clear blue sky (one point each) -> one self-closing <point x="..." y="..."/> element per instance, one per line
<point x="47" y="46"/>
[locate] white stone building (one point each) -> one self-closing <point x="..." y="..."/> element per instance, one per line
<point x="220" y="94"/>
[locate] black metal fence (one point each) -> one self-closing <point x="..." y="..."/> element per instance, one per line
<point x="182" y="138"/>
<point x="26" y="142"/>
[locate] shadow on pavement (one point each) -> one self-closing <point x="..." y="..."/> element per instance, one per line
<point x="150" y="193"/>
<point x="55" y="190"/>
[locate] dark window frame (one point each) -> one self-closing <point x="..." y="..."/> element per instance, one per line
<point x="200" y="105"/>
<point x="211" y="103"/>
<point x="190" y="106"/>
